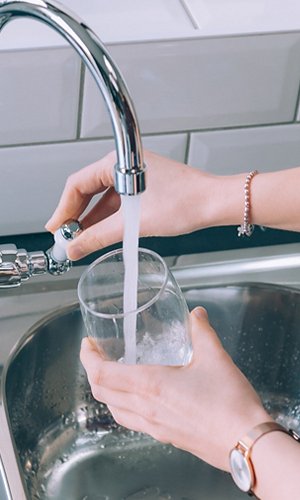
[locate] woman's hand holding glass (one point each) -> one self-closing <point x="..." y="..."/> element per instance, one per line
<point x="188" y="406"/>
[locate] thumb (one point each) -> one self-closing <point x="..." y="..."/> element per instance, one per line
<point x="100" y="235"/>
<point x="204" y="337"/>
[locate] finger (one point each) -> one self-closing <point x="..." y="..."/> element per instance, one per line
<point x="130" y="420"/>
<point x="145" y="406"/>
<point x="125" y="401"/>
<point x="100" y="235"/>
<point x="79" y="190"/>
<point x="138" y="423"/>
<point x="108" y="204"/>
<point x="204" y="337"/>
<point x="108" y="374"/>
<point x="135" y="379"/>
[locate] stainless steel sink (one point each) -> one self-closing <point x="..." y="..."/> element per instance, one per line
<point x="61" y="444"/>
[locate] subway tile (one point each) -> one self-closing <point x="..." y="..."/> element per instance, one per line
<point x="33" y="177"/>
<point x="232" y="17"/>
<point x="131" y="20"/>
<point x="242" y="150"/>
<point x="140" y="20"/>
<point x="26" y="33"/>
<point x="172" y="146"/>
<point x="113" y="21"/>
<point x="39" y="92"/>
<point x="203" y="84"/>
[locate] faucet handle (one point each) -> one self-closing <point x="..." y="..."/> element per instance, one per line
<point x="18" y="265"/>
<point x="58" y="262"/>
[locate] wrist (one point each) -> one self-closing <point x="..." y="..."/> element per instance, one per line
<point x="275" y="458"/>
<point x="225" y="200"/>
<point x="261" y="456"/>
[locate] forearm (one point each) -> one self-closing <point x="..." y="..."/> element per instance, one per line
<point x="274" y="199"/>
<point x="276" y="460"/>
<point x="179" y="199"/>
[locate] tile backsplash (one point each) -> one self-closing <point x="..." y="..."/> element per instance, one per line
<point x="222" y="103"/>
<point x="39" y="92"/>
<point x="205" y="83"/>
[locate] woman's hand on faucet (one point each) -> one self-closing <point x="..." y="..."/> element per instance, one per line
<point x="176" y="201"/>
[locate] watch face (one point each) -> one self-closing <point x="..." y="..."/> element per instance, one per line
<point x="241" y="470"/>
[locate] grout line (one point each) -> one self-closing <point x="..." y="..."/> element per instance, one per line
<point x="80" y="100"/>
<point x="154" y="134"/>
<point x="187" y="149"/>
<point x="190" y="15"/>
<point x="180" y="37"/>
<point x="297" y="106"/>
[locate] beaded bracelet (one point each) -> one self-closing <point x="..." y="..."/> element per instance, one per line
<point x="246" y="229"/>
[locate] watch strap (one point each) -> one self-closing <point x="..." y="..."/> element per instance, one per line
<point x="245" y="444"/>
<point x="257" y="432"/>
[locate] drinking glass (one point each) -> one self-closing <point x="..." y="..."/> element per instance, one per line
<point x="156" y="331"/>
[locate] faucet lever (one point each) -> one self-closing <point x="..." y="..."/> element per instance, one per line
<point x="58" y="262"/>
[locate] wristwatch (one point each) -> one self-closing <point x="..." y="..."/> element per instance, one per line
<point x="242" y="470"/>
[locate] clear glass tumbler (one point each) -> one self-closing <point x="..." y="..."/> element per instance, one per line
<point x="159" y="332"/>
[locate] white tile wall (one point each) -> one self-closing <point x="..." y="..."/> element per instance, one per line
<point x="173" y="146"/>
<point x="242" y="150"/>
<point x="207" y="83"/>
<point x="112" y="20"/>
<point x="226" y="103"/>
<point x="236" y="17"/>
<point x="22" y="34"/>
<point x="39" y="93"/>
<point x="131" y="20"/>
<point x="135" y="19"/>
<point x="32" y="177"/>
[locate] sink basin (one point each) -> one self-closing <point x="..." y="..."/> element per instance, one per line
<point x="63" y="445"/>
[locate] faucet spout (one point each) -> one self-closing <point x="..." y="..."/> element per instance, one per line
<point x="19" y="265"/>
<point x="130" y="169"/>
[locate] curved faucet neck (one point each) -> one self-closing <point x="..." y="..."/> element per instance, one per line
<point x="130" y="170"/>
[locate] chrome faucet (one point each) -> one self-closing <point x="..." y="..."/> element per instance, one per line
<point x="18" y="265"/>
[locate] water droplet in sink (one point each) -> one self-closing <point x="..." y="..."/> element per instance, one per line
<point x="28" y="465"/>
<point x="152" y="493"/>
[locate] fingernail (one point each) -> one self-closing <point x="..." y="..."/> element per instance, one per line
<point x="49" y="225"/>
<point x="75" y="252"/>
<point x="200" y="312"/>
